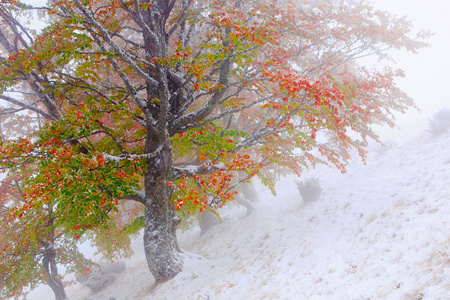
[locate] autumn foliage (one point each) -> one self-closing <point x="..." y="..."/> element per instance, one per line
<point x="164" y="102"/>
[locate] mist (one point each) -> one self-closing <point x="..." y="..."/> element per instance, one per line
<point x="378" y="231"/>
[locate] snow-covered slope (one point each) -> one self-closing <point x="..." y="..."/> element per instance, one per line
<point x="380" y="231"/>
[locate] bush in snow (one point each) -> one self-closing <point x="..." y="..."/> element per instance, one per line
<point x="310" y="189"/>
<point x="440" y="123"/>
<point x="103" y="276"/>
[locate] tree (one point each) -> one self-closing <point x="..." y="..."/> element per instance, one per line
<point x="31" y="246"/>
<point x="30" y="243"/>
<point x="130" y="87"/>
<point x="26" y="242"/>
<point x="30" y="254"/>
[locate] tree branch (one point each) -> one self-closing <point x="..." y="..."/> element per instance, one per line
<point x="27" y="106"/>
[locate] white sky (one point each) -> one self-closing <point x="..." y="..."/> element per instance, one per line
<point x="427" y="73"/>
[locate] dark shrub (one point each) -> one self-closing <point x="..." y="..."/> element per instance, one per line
<point x="102" y="276"/>
<point x="310" y="189"/>
<point x="440" y="123"/>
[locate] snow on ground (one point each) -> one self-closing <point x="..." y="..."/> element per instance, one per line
<point x="380" y="231"/>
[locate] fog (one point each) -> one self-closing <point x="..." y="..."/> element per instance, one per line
<point x="427" y="72"/>
<point x="378" y="232"/>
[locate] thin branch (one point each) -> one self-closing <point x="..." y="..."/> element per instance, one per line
<point x="27" y="106"/>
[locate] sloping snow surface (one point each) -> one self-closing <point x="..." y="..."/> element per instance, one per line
<point x="380" y="231"/>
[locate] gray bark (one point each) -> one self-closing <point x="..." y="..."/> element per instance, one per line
<point x="160" y="243"/>
<point x="162" y="251"/>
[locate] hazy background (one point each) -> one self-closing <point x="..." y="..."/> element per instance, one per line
<point x="427" y="78"/>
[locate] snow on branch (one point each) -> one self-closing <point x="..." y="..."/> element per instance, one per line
<point x="202" y="169"/>
<point x="122" y="157"/>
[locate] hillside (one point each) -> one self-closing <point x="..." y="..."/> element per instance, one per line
<point x="380" y="231"/>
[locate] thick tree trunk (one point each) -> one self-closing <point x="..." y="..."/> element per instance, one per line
<point x="53" y="281"/>
<point x="160" y="241"/>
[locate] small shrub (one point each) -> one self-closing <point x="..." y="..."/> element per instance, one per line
<point x="103" y="276"/>
<point x="310" y="189"/>
<point x="440" y="123"/>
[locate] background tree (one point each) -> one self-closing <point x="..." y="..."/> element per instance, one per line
<point x="130" y="86"/>
<point x="31" y="245"/>
<point x="31" y="248"/>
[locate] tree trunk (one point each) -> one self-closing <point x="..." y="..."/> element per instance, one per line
<point x="53" y="281"/>
<point x="160" y="241"/>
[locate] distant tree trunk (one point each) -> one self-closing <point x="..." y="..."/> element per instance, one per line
<point x="53" y="281"/>
<point x="160" y="240"/>
<point x="249" y="192"/>
<point x="206" y="221"/>
<point x="245" y="203"/>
